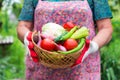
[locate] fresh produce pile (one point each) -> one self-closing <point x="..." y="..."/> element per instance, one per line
<point x="66" y="39"/>
<point x="59" y="46"/>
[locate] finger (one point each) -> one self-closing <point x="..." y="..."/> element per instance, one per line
<point x="29" y="37"/>
<point x="79" y="60"/>
<point x="87" y="43"/>
<point x="33" y="54"/>
<point x="31" y="45"/>
<point x="35" y="59"/>
<point x="81" y="57"/>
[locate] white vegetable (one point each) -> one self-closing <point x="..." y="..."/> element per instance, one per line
<point x="52" y="30"/>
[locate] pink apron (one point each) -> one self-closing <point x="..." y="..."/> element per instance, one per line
<point x="79" y="13"/>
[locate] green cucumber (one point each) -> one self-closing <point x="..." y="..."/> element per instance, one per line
<point x="80" y="45"/>
<point x="69" y="34"/>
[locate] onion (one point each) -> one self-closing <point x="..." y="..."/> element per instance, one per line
<point x="60" y="47"/>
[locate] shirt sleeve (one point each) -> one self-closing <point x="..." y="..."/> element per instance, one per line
<point x="101" y="9"/>
<point x="27" y="12"/>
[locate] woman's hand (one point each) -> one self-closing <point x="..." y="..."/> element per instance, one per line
<point x="89" y="48"/>
<point x="28" y="43"/>
<point x="24" y="31"/>
<point x="103" y="36"/>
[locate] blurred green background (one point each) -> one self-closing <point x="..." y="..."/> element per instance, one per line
<point x="12" y="57"/>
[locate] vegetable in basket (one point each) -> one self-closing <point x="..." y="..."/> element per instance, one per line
<point x="70" y="44"/>
<point x="69" y="34"/>
<point x="52" y="30"/>
<point x="47" y="44"/>
<point x="59" y="37"/>
<point x="80" y="45"/>
<point x="81" y="32"/>
<point x="68" y="26"/>
<point x="50" y="45"/>
<point x="59" y="47"/>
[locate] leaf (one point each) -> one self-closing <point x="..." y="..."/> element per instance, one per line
<point x="112" y="73"/>
<point x="108" y="75"/>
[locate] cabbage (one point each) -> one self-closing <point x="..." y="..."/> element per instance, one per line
<point x="52" y="30"/>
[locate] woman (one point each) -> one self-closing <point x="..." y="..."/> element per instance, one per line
<point x="94" y="14"/>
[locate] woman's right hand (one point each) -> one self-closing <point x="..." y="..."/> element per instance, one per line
<point x="28" y="43"/>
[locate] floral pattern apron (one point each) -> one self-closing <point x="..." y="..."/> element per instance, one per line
<point x="61" y="12"/>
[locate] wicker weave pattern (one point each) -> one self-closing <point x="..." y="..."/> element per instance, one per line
<point x="54" y="59"/>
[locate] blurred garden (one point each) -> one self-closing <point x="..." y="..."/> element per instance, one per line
<point x="12" y="53"/>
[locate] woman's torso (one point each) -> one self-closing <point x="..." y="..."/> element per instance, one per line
<point x="81" y="14"/>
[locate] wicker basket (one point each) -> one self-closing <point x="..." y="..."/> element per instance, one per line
<point x="54" y="59"/>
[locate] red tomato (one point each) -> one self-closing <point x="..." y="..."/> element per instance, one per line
<point x="47" y="44"/>
<point x="70" y="44"/>
<point x="68" y="26"/>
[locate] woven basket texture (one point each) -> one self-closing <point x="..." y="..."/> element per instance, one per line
<point x="55" y="59"/>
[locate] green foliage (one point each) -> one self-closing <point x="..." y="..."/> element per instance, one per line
<point x="110" y="54"/>
<point x="8" y="8"/>
<point x="17" y="9"/>
<point x="4" y="21"/>
<point x="110" y="57"/>
<point x="115" y="5"/>
<point x="12" y="58"/>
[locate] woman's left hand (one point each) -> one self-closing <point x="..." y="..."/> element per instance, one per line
<point x="103" y="36"/>
<point x="89" y="48"/>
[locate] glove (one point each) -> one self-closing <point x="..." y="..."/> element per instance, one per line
<point x="89" y="48"/>
<point x="29" y="45"/>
